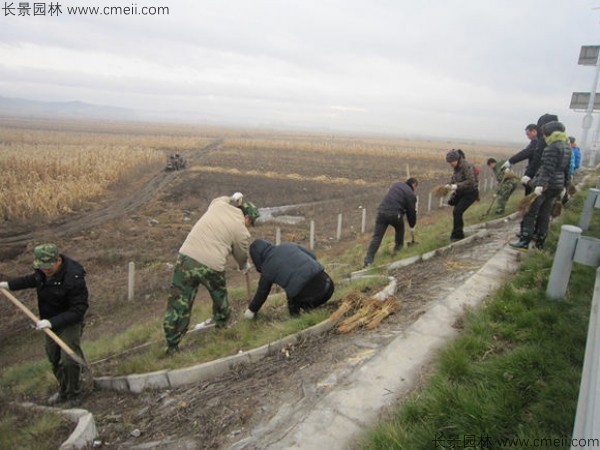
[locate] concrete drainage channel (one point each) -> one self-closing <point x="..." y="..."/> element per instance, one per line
<point x="85" y="432"/>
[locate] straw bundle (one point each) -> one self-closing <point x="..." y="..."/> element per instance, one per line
<point x="524" y="204"/>
<point x="571" y="189"/>
<point x="440" y="191"/>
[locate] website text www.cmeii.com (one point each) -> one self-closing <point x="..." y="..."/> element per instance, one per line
<point x="54" y="9"/>
<point x="442" y="441"/>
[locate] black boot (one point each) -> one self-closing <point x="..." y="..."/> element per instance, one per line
<point x="539" y="242"/>
<point x="522" y="243"/>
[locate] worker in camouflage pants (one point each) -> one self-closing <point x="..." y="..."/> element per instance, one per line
<point x="507" y="180"/>
<point x="187" y="277"/>
<point x="221" y="231"/>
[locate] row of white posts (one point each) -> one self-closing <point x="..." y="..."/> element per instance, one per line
<point x="573" y="247"/>
<point x="487" y="184"/>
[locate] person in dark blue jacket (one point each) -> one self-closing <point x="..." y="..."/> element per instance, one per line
<point x="295" y="269"/>
<point x="399" y="201"/>
<point x="62" y="302"/>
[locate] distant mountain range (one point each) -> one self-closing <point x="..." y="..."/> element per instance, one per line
<point x="18" y="107"/>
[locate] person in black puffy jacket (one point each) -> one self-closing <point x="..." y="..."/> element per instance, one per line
<point x="549" y="181"/>
<point x="62" y="303"/>
<point x="295" y="269"/>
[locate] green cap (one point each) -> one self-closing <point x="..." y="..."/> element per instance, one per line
<point x="44" y="256"/>
<point x="250" y="210"/>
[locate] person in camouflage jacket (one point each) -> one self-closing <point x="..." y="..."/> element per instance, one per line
<point x="221" y="231"/>
<point x="507" y="183"/>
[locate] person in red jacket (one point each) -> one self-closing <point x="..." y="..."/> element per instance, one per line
<point x="62" y="303"/>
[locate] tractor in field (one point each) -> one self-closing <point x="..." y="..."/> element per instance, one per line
<point x="175" y="162"/>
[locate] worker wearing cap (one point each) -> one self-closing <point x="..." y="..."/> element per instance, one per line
<point x="222" y="230"/>
<point x="62" y="303"/>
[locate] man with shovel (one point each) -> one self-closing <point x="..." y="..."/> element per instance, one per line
<point x="62" y="303"/>
<point x="400" y="201"/>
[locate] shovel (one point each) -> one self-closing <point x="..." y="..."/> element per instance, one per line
<point x="68" y="350"/>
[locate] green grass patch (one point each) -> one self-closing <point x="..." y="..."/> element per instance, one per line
<point x="514" y="372"/>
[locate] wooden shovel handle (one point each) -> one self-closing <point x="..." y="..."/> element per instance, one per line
<point x="48" y="331"/>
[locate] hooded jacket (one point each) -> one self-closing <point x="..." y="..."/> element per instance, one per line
<point x="220" y="231"/>
<point x="62" y="298"/>
<point x="554" y="171"/>
<point x="288" y="265"/>
<point x="401" y="198"/>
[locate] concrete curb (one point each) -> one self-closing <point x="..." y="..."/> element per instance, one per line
<point x="167" y="379"/>
<point x="85" y="432"/>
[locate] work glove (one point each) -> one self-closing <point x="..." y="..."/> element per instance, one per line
<point x="44" y="323"/>
<point x="249" y="315"/>
<point x="525" y="179"/>
<point x="538" y="190"/>
<point x="4" y="285"/>
<point x="237" y="199"/>
<point x="453" y="187"/>
<point x="412" y="230"/>
<point x="506" y="165"/>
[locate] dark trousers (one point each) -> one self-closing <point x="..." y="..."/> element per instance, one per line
<point x="537" y="218"/>
<point x="382" y="221"/>
<point x="65" y="369"/>
<point x="316" y="292"/>
<point x="463" y="201"/>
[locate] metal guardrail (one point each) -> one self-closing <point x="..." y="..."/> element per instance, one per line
<point x="587" y="419"/>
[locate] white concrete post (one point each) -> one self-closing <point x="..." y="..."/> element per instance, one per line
<point x="588" y="403"/>
<point x="339" y="227"/>
<point x="131" y="282"/>
<point x="563" y="262"/>
<point x="312" y="234"/>
<point x="485" y="185"/>
<point x="277" y="236"/>
<point x="429" y="202"/>
<point x="441" y="201"/>
<point x="407" y="171"/>
<point x="588" y="208"/>
<point x="363" y="223"/>
<point x="417" y="205"/>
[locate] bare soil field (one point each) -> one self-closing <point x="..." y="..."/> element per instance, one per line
<point x="146" y="216"/>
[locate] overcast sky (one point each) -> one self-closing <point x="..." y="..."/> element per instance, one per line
<point x="442" y="68"/>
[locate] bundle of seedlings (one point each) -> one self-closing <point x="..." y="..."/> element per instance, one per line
<point x="350" y="303"/>
<point x="556" y="208"/>
<point x="526" y="202"/>
<point x="571" y="189"/>
<point x="510" y="175"/>
<point x="440" y="191"/>
<point x="370" y="314"/>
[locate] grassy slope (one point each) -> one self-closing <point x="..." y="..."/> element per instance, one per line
<point x="513" y="373"/>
